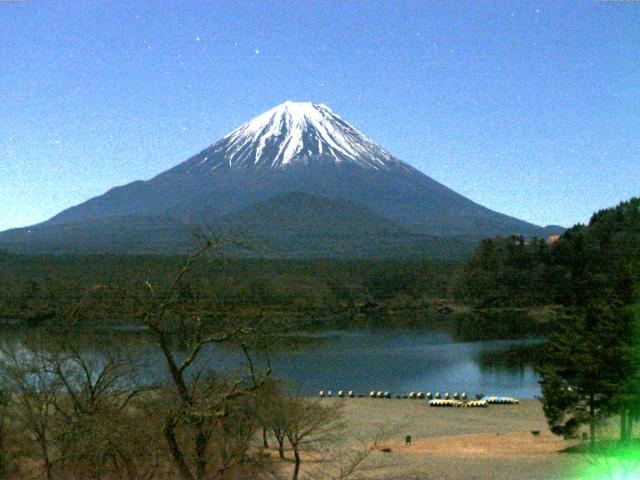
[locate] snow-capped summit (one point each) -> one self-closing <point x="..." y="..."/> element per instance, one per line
<point x="293" y="133"/>
<point x="297" y="179"/>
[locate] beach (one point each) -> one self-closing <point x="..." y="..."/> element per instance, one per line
<point x="457" y="443"/>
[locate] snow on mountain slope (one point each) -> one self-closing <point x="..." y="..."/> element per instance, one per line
<point x="294" y="147"/>
<point x="294" y="133"/>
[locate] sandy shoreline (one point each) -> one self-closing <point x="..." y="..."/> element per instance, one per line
<point x="458" y="443"/>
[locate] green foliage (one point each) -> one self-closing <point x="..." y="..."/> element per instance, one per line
<point x="505" y="272"/>
<point x="46" y="290"/>
<point x="603" y="258"/>
<point x="599" y="260"/>
<point x="591" y="362"/>
<point x="586" y="362"/>
<point x="496" y="324"/>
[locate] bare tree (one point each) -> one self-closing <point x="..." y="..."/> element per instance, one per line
<point x="233" y="435"/>
<point x="265" y="336"/>
<point x="338" y="461"/>
<point x="263" y="340"/>
<point x="97" y="417"/>
<point x="344" y="455"/>
<point x="309" y="425"/>
<point x="197" y="403"/>
<point x="273" y="414"/>
<point x="35" y="392"/>
<point x="81" y="404"/>
<point x="5" y="404"/>
<point x="93" y="377"/>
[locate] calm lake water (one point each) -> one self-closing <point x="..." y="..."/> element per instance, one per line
<point x="397" y="361"/>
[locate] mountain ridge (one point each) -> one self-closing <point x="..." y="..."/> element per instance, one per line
<point x="294" y="225"/>
<point x="302" y="147"/>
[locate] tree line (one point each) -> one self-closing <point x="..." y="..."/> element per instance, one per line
<point x="590" y="365"/>
<point x="42" y="290"/>
<point x="586" y="261"/>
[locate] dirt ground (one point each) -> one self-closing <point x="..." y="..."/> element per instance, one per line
<point x="459" y="443"/>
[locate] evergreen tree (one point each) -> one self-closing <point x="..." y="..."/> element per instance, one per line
<point x="586" y="367"/>
<point x="627" y="401"/>
<point x="505" y="272"/>
<point x="598" y="260"/>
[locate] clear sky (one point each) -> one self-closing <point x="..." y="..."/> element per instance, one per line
<point x="529" y="108"/>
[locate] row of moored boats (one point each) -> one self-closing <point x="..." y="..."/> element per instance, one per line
<point x="435" y="399"/>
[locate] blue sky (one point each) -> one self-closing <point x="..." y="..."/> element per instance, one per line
<point x="529" y="108"/>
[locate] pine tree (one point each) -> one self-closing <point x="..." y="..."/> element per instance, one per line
<point x="586" y="367"/>
<point x="627" y="401"/>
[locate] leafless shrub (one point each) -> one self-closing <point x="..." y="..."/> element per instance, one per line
<point x="347" y="459"/>
<point x="32" y="406"/>
<point x="309" y="425"/>
<point x="98" y="432"/>
<point x="194" y="419"/>
<point x="5" y="404"/>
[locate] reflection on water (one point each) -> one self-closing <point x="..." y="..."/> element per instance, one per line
<point x="397" y="361"/>
<point x="393" y="360"/>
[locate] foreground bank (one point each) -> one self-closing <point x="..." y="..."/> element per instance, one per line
<point x="509" y="442"/>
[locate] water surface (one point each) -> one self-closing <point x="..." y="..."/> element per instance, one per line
<point x="390" y="360"/>
<point x="399" y="361"/>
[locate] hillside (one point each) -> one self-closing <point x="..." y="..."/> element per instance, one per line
<point x="295" y="147"/>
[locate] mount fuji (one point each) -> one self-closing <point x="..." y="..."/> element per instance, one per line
<point x="299" y="180"/>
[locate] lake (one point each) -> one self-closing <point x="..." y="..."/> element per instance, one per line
<point x="398" y="361"/>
